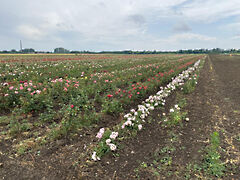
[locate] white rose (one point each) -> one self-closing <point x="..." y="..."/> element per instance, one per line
<point x="113" y="147"/>
<point x="139" y="127"/>
<point x="108" y="141"/>
<point x="114" y="135"/>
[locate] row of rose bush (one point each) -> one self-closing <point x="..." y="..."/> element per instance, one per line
<point x="135" y="119"/>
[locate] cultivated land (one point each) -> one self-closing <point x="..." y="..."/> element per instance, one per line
<point x="50" y="134"/>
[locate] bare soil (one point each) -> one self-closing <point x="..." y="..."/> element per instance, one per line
<point x="213" y="106"/>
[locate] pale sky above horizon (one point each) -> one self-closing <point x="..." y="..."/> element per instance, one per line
<point x="98" y="25"/>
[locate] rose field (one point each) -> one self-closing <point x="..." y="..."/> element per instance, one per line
<point x="95" y="116"/>
<point x="64" y="94"/>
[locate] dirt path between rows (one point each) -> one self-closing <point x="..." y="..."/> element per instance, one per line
<point x="158" y="151"/>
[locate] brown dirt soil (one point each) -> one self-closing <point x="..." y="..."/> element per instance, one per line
<point x="213" y="106"/>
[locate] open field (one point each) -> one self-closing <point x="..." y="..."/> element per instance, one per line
<point x="52" y="107"/>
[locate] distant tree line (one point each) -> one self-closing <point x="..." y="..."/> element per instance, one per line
<point x="61" y="50"/>
<point x="188" y="51"/>
<point x="23" y="51"/>
<point x="14" y="51"/>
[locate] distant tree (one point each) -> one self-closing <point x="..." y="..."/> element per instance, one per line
<point x="181" y="51"/>
<point x="60" y="50"/>
<point x="75" y="52"/>
<point x="28" y="50"/>
<point x="13" y="51"/>
<point x="5" y="51"/>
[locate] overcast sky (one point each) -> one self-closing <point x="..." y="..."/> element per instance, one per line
<point x="98" y="25"/>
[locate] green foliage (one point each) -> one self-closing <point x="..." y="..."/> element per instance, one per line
<point x="88" y="118"/>
<point x="73" y="117"/>
<point x="14" y="127"/>
<point x="4" y="120"/>
<point x="9" y="102"/>
<point x="48" y="116"/>
<point x="35" y="104"/>
<point x="69" y="122"/>
<point x="176" y="117"/>
<point x="212" y="161"/>
<point x="112" y="107"/>
<point x="21" y="150"/>
<point x="182" y="102"/>
<point x="189" y="86"/>
<point x="102" y="146"/>
<point x="18" y="125"/>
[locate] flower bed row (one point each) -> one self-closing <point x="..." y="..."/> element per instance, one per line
<point x="134" y="120"/>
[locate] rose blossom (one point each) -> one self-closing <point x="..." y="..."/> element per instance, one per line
<point x="100" y="133"/>
<point x="114" y="135"/>
<point x="113" y="147"/>
<point x="38" y="92"/>
<point x="139" y="127"/>
<point x="108" y="141"/>
<point x="95" y="157"/>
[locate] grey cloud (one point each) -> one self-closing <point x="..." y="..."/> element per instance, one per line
<point x="181" y="27"/>
<point x="136" y="19"/>
<point x="65" y="26"/>
<point x="101" y="4"/>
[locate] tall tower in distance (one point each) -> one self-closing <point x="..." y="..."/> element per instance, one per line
<point x="20" y="45"/>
